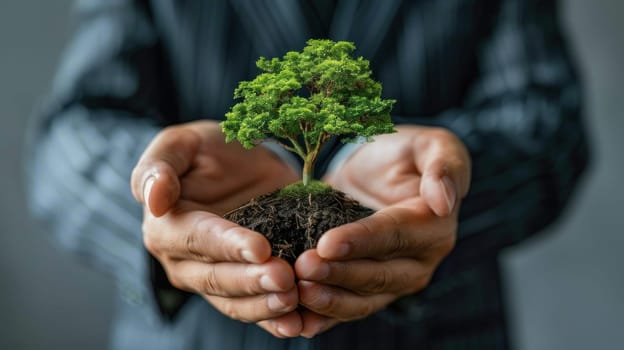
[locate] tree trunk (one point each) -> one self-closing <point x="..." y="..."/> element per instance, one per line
<point x="308" y="167"/>
<point x="308" y="170"/>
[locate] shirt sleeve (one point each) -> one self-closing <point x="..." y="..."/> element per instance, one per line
<point x="108" y="100"/>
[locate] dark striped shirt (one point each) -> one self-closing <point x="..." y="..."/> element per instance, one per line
<point x="497" y="73"/>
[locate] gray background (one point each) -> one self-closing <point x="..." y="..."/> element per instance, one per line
<point x="566" y="286"/>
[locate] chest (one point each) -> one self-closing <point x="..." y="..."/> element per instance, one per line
<point x="424" y="52"/>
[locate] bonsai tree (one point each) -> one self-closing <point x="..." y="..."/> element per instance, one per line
<point x="302" y="100"/>
<point x="307" y="97"/>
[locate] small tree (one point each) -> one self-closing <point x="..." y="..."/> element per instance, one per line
<point x="307" y="97"/>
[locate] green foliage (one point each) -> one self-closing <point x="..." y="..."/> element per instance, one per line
<point x="307" y="97"/>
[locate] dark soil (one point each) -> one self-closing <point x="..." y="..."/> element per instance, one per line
<point x="294" y="223"/>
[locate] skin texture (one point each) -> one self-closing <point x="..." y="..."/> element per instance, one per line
<point x="420" y="175"/>
<point x="186" y="179"/>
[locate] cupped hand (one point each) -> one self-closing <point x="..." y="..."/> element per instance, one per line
<point x="187" y="178"/>
<point x="416" y="179"/>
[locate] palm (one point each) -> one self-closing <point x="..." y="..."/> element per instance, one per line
<point x="430" y="163"/>
<point x="386" y="172"/>
<point x="224" y="176"/>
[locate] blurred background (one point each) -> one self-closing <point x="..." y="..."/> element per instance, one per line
<point x="566" y="286"/>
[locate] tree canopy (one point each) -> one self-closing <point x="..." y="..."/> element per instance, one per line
<point x="306" y="97"/>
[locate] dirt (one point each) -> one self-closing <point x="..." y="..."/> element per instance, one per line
<point x="293" y="224"/>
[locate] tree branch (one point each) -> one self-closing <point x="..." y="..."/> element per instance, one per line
<point x="304" y="126"/>
<point x="328" y="88"/>
<point x="323" y="136"/>
<point x="297" y="148"/>
<point x="288" y="148"/>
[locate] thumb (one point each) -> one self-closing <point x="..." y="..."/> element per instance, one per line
<point x="155" y="179"/>
<point x="446" y="168"/>
<point x="158" y="189"/>
<point x="440" y="193"/>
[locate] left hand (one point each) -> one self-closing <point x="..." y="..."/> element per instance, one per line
<point x="415" y="179"/>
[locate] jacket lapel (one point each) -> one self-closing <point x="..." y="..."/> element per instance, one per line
<point x="280" y="25"/>
<point x="274" y="26"/>
<point x="365" y="22"/>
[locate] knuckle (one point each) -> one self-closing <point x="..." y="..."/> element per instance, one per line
<point x="191" y="244"/>
<point x="193" y="240"/>
<point x="230" y="308"/>
<point x="175" y="281"/>
<point x="445" y="244"/>
<point x="172" y="272"/>
<point x="362" y="311"/>
<point x="404" y="283"/>
<point x="422" y="282"/>
<point x="411" y="284"/>
<point x="251" y="312"/>
<point x="332" y="305"/>
<point x="208" y="284"/>
<point x="379" y="282"/>
<point x="416" y="284"/>
<point x="448" y="245"/>
<point x="151" y="243"/>
<point x="396" y="243"/>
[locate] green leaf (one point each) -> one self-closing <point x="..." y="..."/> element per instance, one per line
<point x="311" y="95"/>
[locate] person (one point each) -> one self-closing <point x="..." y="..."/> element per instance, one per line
<point x="488" y="98"/>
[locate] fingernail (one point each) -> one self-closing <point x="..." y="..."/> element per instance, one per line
<point x="275" y="304"/>
<point x="449" y="192"/>
<point x="147" y="189"/>
<point x="268" y="284"/>
<point x="280" y="329"/>
<point x="313" y="333"/>
<point x="249" y="256"/>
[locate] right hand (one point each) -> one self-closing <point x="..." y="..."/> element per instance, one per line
<point x="186" y="179"/>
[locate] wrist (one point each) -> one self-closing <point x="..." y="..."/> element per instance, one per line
<point x="346" y="152"/>
<point x="286" y="157"/>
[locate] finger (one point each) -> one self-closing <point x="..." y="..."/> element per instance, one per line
<point x="410" y="230"/>
<point x="338" y="303"/>
<point x="231" y="279"/>
<point x="315" y="324"/>
<point x="155" y="180"/>
<point x="285" y="326"/>
<point x="205" y="237"/>
<point x="256" y="308"/>
<point x="444" y="163"/>
<point x="365" y="276"/>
